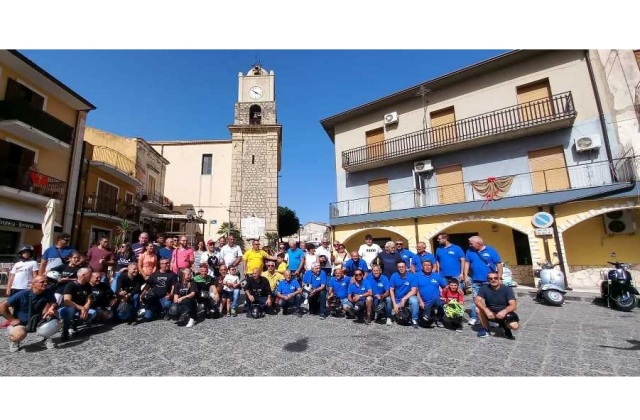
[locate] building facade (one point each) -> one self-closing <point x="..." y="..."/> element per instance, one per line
<point x="481" y="150"/>
<point x="42" y="124"/>
<point x="233" y="180"/>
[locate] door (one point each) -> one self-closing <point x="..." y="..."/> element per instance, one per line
<point x="375" y="144"/>
<point x="534" y="100"/>
<point x="14" y="172"/>
<point x="460" y="239"/>
<point x="548" y="170"/>
<point x="8" y="245"/>
<point x="379" y="195"/>
<point x="443" y="126"/>
<point x="450" y="185"/>
<point x="107" y="200"/>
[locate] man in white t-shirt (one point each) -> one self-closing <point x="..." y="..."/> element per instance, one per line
<point x="23" y="271"/>
<point x="215" y="258"/>
<point x="231" y="253"/>
<point x="368" y="251"/>
<point x="325" y="249"/>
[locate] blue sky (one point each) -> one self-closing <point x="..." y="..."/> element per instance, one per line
<point x="178" y="94"/>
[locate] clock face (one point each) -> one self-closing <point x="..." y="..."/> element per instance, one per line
<point x="255" y="92"/>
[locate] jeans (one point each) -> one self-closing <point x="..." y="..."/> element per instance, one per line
<point x="67" y="313"/>
<point x="388" y="306"/>
<point x="475" y="287"/>
<point x="415" y="307"/>
<point x="318" y="301"/>
<point x="114" y="282"/>
<point x="439" y="305"/>
<point x="293" y="302"/>
<point x="236" y="295"/>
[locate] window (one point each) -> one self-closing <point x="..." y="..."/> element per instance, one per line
<point x="128" y="198"/>
<point x="548" y="169"/>
<point x="375" y="143"/>
<point x="151" y="190"/>
<point x="450" y="184"/>
<point x="207" y="161"/>
<point x="19" y="92"/>
<point x="535" y="100"/>
<point x="255" y="115"/>
<point x="379" y="195"/>
<point x="443" y="125"/>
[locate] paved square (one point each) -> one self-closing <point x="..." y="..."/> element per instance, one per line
<point x="578" y="339"/>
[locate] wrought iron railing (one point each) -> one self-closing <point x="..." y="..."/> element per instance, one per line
<point x="94" y="203"/>
<point x="529" y="114"/>
<point x="37" y="118"/>
<point x="564" y="178"/>
<point x="25" y="179"/>
<point x="115" y="159"/>
<point x="156" y="198"/>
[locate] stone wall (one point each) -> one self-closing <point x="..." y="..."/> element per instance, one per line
<point x="589" y="277"/>
<point x="241" y="116"/>
<point x="523" y="274"/>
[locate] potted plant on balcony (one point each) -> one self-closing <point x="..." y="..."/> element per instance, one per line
<point x="122" y="232"/>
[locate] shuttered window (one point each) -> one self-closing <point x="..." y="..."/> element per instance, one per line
<point x="375" y="143"/>
<point x="535" y="101"/>
<point x="443" y="125"/>
<point x="548" y="169"/>
<point x="450" y="186"/>
<point x="379" y="195"/>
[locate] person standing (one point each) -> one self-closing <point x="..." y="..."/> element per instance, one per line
<point x="141" y="246"/>
<point x="450" y="260"/>
<point x="183" y="256"/>
<point x="231" y="253"/>
<point x="369" y="251"/>
<point x="296" y="258"/>
<point x="56" y="255"/>
<point x="481" y="260"/>
<point x="148" y="261"/>
<point x="23" y="271"/>
<point x="123" y="258"/>
<point x="100" y="257"/>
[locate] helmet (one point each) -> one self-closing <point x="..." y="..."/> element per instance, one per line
<point x="403" y="316"/>
<point x="204" y="294"/>
<point x="511" y="317"/>
<point x="243" y="283"/>
<point x="357" y="309"/>
<point x="256" y="312"/>
<point x="201" y="310"/>
<point x="47" y="329"/>
<point x="212" y="261"/>
<point x="124" y="310"/>
<point x="148" y="297"/>
<point x="380" y="307"/>
<point x="24" y="248"/>
<point x="53" y="277"/>
<point x="334" y="302"/>
<point x="174" y="311"/>
<point x="183" y="319"/>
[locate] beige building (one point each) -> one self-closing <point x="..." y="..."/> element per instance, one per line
<point x="42" y="122"/>
<point x="483" y="149"/>
<point x="233" y="180"/>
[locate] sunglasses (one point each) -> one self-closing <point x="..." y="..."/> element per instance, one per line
<point x="493" y="278"/>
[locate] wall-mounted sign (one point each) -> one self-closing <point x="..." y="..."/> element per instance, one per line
<point x="543" y="231"/>
<point x="542" y="220"/>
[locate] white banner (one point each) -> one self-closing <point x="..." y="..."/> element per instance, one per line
<point x="253" y="227"/>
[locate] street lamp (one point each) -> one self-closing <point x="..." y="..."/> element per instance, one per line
<point x="200" y="213"/>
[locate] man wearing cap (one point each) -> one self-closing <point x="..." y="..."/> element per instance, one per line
<point x="497" y="303"/>
<point x="211" y="257"/>
<point x="325" y="250"/>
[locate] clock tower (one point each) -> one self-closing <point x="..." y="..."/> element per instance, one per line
<point x="256" y="139"/>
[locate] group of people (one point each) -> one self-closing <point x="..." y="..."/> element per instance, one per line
<point x="143" y="281"/>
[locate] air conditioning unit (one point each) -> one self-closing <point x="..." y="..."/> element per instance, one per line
<point x="422" y="166"/>
<point x="620" y="222"/>
<point x="587" y="143"/>
<point x="391" y="118"/>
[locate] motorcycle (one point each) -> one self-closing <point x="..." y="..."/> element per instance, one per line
<point x="551" y="286"/>
<point x="507" y="275"/>
<point x="617" y="288"/>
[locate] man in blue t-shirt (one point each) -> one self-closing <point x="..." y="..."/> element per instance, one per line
<point x="403" y="290"/>
<point x="289" y="292"/>
<point x="339" y="287"/>
<point x="423" y="255"/>
<point x="295" y="259"/>
<point x="317" y="279"/>
<point x="450" y="260"/>
<point x="481" y="260"/>
<point x="429" y="283"/>
<point x="354" y="262"/>
<point x="409" y="258"/>
<point x="380" y="288"/>
<point x="57" y="255"/>
<point x="360" y="292"/>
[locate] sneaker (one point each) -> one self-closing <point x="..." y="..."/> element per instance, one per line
<point x="473" y="321"/>
<point x="322" y="316"/>
<point x="414" y="323"/>
<point x="191" y="323"/>
<point x="228" y="314"/>
<point x="299" y="313"/>
<point x="48" y="343"/>
<point x="248" y="313"/>
<point x="459" y="329"/>
<point x="14" y="346"/>
<point x="367" y="320"/>
<point x="483" y="333"/>
<point x="493" y="324"/>
<point x="439" y="324"/>
<point x="285" y="311"/>
<point x="65" y="335"/>
<point x="5" y="324"/>
<point x="306" y="302"/>
<point x="389" y="321"/>
<point x="508" y="334"/>
<point x="234" y="312"/>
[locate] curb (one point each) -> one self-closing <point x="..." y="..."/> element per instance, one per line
<point x="586" y="298"/>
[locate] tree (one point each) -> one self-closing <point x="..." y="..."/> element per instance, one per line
<point x="288" y="222"/>
<point x="228" y="228"/>
<point x="272" y="238"/>
<point x="122" y="232"/>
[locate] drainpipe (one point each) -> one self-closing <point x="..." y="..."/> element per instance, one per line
<point x="83" y="165"/>
<point x="415" y="227"/>
<point x="556" y="239"/>
<point x="603" y="124"/>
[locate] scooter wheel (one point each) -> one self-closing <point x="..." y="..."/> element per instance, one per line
<point x="625" y="303"/>
<point x="553" y="297"/>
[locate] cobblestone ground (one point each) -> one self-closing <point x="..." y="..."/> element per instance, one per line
<point x="578" y="339"/>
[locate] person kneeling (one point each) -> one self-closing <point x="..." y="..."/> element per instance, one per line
<point x="496" y="302"/>
<point x="184" y="297"/>
<point x="77" y="300"/>
<point x="289" y="292"/>
<point x="28" y="307"/>
<point x="258" y="292"/>
<point x="104" y="301"/>
<point x="361" y="297"/>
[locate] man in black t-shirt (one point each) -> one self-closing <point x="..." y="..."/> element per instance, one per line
<point x="184" y="293"/>
<point x="129" y="286"/>
<point x="103" y="299"/>
<point x="258" y="291"/>
<point x="497" y="302"/>
<point x="68" y="274"/>
<point x="161" y="283"/>
<point x="77" y="302"/>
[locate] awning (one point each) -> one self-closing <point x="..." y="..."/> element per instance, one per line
<point x="21" y="216"/>
<point x="171" y="216"/>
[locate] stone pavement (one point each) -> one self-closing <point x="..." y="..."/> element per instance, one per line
<point x="578" y="339"/>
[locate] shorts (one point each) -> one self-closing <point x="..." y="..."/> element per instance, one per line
<point x="345" y="302"/>
<point x="227" y="294"/>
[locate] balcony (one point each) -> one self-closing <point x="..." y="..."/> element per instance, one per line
<point x="106" y="208"/>
<point x="115" y="164"/>
<point x="532" y="188"/>
<point x="156" y="200"/>
<point x="30" y="123"/>
<point x="525" y="119"/>
<point x="20" y="183"/>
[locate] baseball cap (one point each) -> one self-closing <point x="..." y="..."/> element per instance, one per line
<point x="210" y="242"/>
